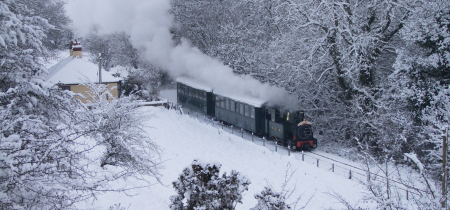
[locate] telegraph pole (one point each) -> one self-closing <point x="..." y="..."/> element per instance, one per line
<point x="444" y="168"/>
<point x="99" y="68"/>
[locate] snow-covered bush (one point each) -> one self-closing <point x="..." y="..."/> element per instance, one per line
<point x="201" y="187"/>
<point x="268" y="199"/>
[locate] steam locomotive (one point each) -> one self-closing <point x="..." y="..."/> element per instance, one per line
<point x="287" y="128"/>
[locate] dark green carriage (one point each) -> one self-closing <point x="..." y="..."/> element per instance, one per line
<point x="243" y="115"/>
<point x="195" y="99"/>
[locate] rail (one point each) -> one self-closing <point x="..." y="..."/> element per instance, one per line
<point x="246" y="135"/>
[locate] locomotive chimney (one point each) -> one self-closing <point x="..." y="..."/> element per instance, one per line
<point x="301" y="114"/>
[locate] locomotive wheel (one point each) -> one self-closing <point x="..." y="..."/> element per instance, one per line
<point x="293" y="146"/>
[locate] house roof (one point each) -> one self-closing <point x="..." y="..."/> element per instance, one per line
<point x="77" y="70"/>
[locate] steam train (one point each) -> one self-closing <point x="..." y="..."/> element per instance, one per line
<point x="287" y="128"/>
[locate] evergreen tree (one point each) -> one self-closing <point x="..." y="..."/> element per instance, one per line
<point x="270" y="200"/>
<point x="201" y="187"/>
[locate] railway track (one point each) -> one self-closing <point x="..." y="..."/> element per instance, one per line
<point x="314" y="157"/>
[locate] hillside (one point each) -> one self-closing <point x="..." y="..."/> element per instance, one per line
<point x="183" y="139"/>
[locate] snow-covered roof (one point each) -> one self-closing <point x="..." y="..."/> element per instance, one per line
<point x="194" y="83"/>
<point x="250" y="100"/>
<point x="77" y="70"/>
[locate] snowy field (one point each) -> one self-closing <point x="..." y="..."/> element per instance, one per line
<point x="184" y="138"/>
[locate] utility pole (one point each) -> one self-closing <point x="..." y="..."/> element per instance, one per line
<point x="444" y="168"/>
<point x="99" y="68"/>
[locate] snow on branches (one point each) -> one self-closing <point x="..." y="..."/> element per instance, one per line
<point x="201" y="187"/>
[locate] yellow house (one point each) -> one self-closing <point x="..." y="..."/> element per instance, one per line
<point x="73" y="73"/>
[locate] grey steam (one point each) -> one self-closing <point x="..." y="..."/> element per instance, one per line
<point x="148" y="23"/>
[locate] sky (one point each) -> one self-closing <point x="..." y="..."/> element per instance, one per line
<point x="148" y="23"/>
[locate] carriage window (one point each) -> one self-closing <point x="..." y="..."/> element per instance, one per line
<point x="272" y="114"/>
<point x="217" y="101"/>
<point x="183" y="89"/>
<point x="247" y="111"/>
<point x="232" y="105"/>
<point x="227" y="104"/>
<point x="241" y="109"/>
<point x="252" y="114"/>
<point x="222" y="102"/>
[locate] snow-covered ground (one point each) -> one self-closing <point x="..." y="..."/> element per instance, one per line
<point x="184" y="138"/>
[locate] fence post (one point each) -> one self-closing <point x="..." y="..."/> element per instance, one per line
<point x="231" y="129"/>
<point x="303" y="156"/>
<point x="252" y="136"/>
<point x="332" y="167"/>
<point x="350" y="174"/>
<point x="197" y="116"/>
<point x="188" y="113"/>
<point x="242" y="131"/>
<point x="222" y="125"/>
<point x="275" y="147"/>
<point x="407" y="195"/>
<point x="317" y="162"/>
<point x="264" y="141"/>
<point x="205" y="118"/>
<point x="289" y="150"/>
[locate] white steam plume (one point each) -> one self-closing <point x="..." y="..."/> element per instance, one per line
<point x="148" y="23"/>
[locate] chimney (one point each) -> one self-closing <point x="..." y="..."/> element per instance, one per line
<point x="75" y="48"/>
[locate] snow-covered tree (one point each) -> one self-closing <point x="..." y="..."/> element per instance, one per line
<point x="423" y="77"/>
<point x="115" y="50"/>
<point x="46" y="159"/>
<point x="58" y="36"/>
<point x="143" y="78"/>
<point x="117" y="124"/>
<point x="144" y="81"/>
<point x="201" y="187"/>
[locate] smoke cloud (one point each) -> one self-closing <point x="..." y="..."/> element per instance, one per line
<point x="148" y="23"/>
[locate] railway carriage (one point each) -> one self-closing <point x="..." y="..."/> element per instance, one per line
<point x="287" y="128"/>
<point x="240" y="112"/>
<point x="194" y="96"/>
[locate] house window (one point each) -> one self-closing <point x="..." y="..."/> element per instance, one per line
<point x="64" y="87"/>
